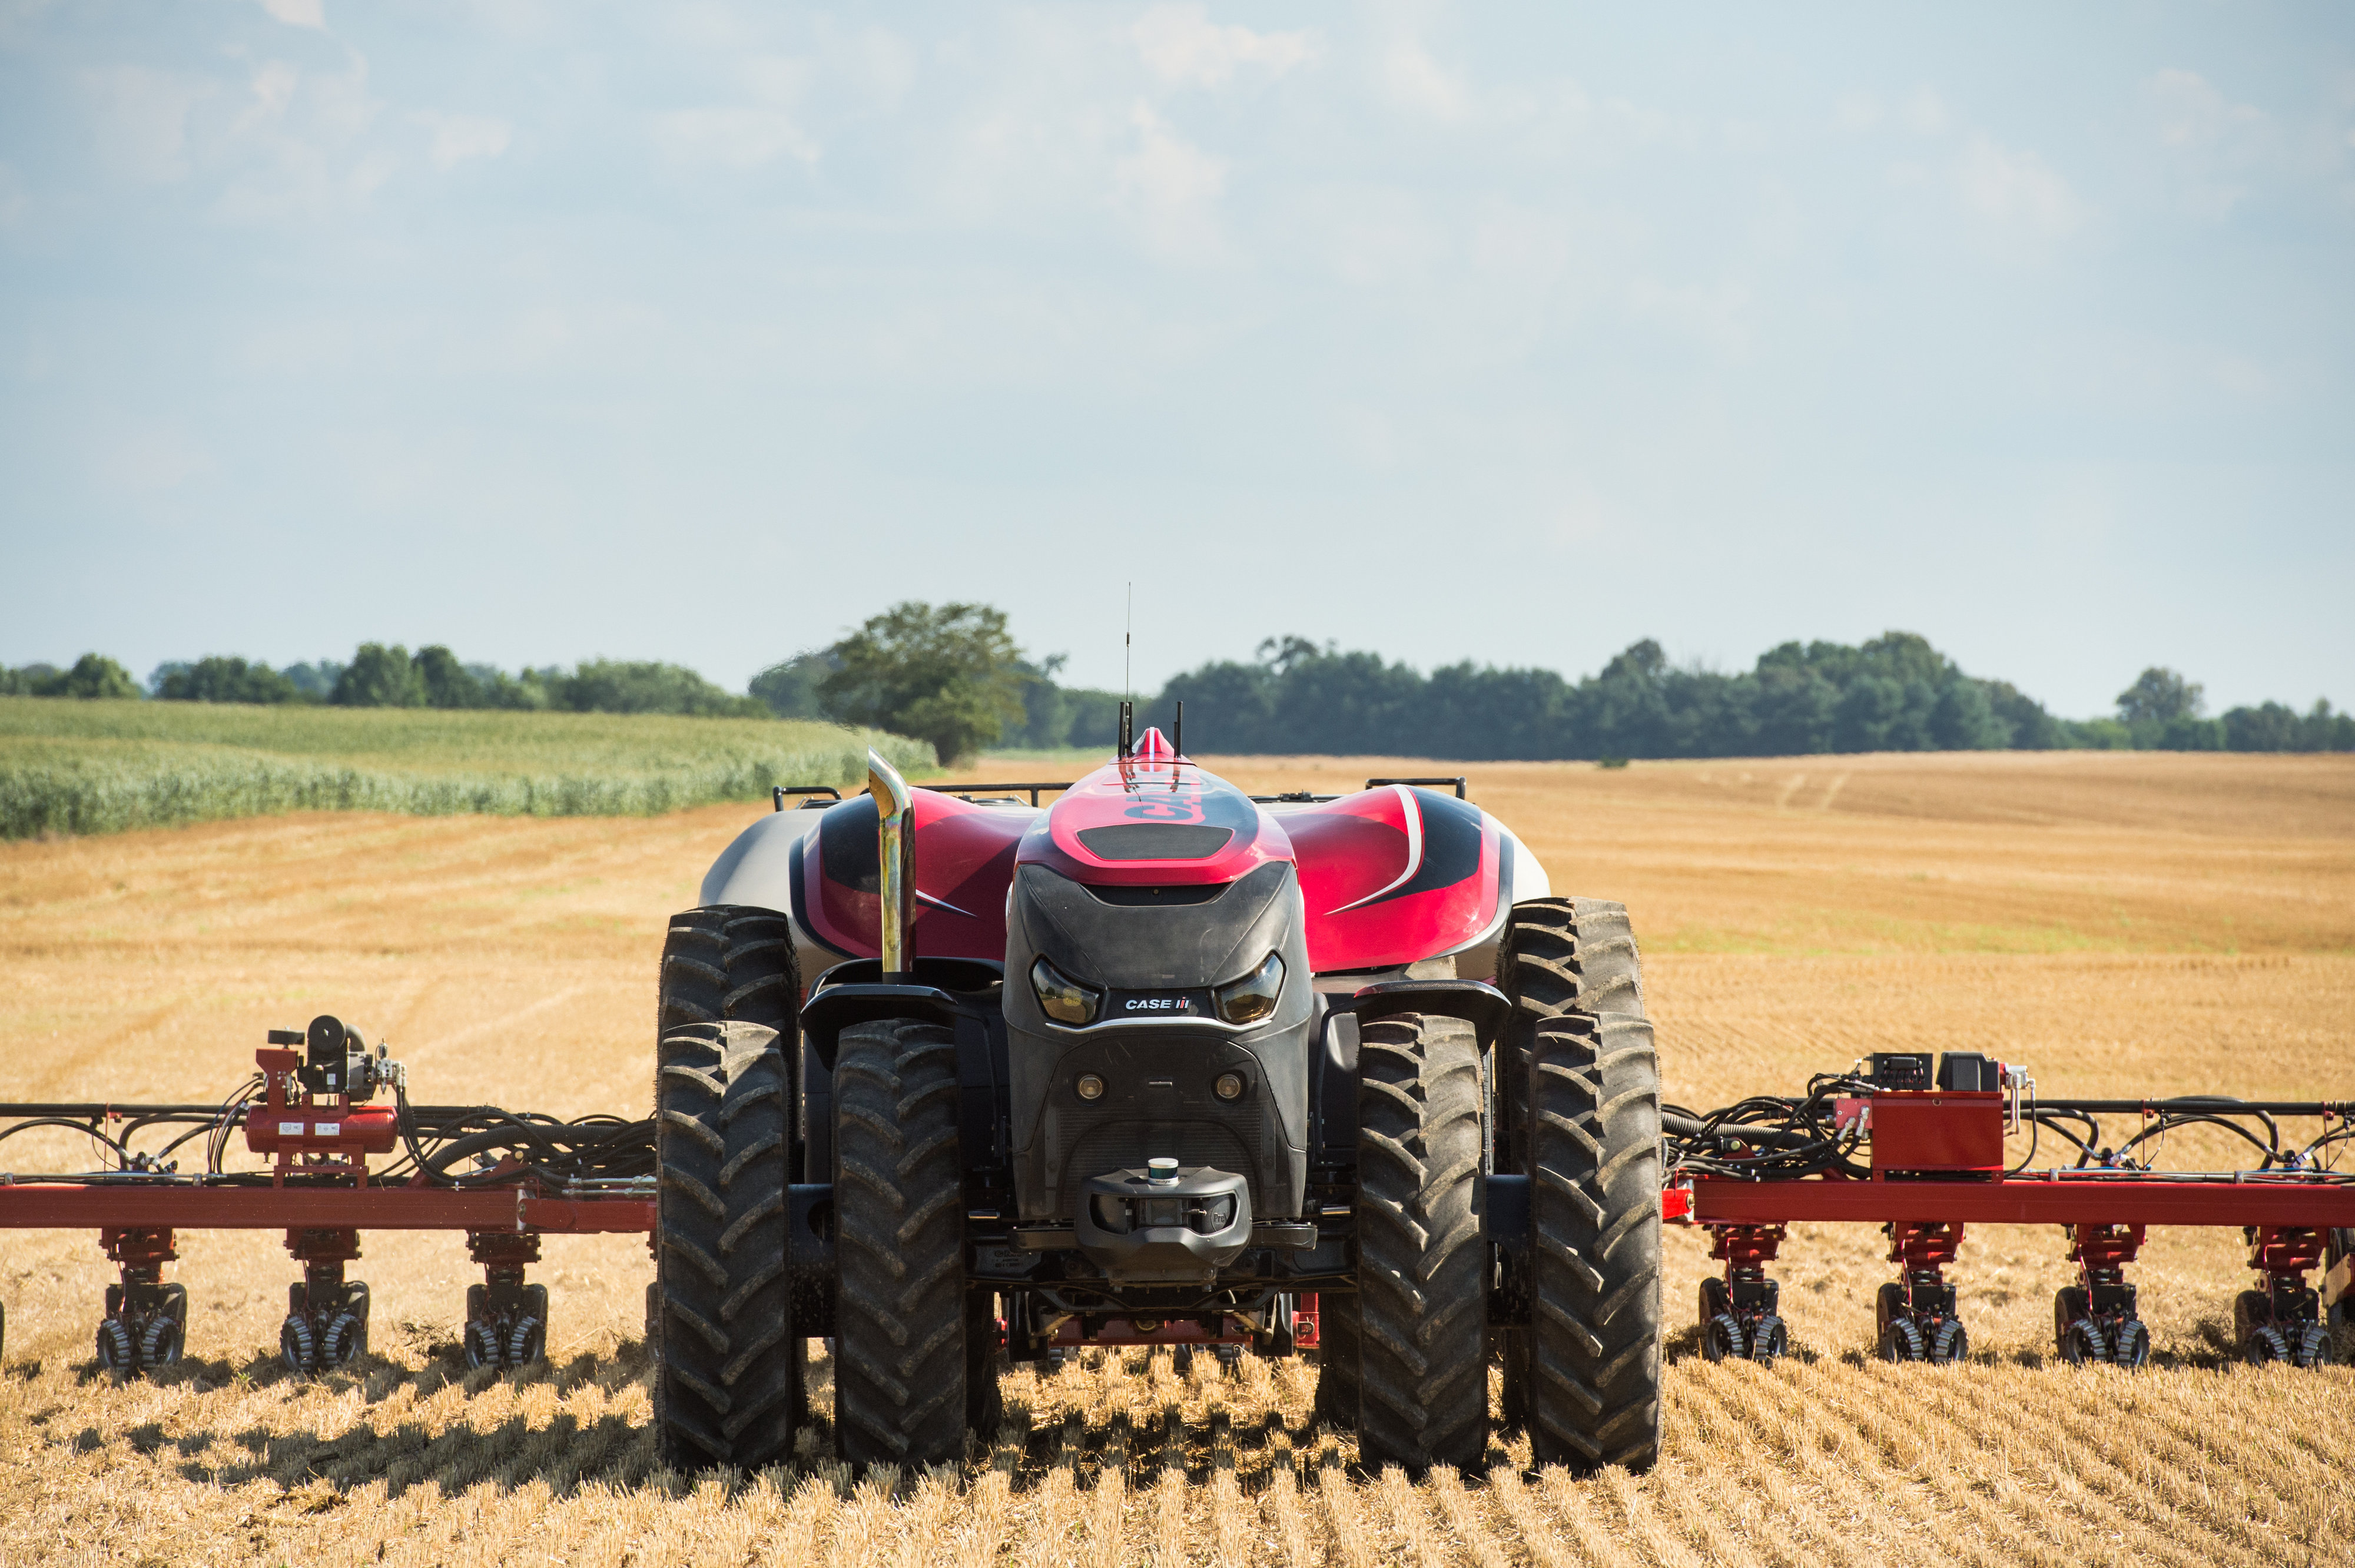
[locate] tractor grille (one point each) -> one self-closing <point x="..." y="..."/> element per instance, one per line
<point x="1123" y="1145"/>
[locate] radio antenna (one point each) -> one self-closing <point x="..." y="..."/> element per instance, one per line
<point x="1127" y="642"/>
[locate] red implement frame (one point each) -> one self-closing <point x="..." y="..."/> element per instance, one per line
<point x="62" y="1206"/>
<point x="2285" y="1201"/>
<point x="2101" y="1215"/>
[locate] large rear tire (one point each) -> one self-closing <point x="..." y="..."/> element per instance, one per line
<point x="728" y="1365"/>
<point x="1422" y="1258"/>
<point x="1594" y="1224"/>
<point x="1559" y="958"/>
<point x="902" y="1319"/>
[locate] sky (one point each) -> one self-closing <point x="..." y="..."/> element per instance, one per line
<point x="1512" y="334"/>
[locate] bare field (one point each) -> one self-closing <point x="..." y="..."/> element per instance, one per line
<point x="2123" y="923"/>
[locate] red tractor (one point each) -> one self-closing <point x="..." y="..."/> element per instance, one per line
<point x="954" y="1080"/>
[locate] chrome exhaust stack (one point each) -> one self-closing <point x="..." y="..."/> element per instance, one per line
<point x="895" y="826"/>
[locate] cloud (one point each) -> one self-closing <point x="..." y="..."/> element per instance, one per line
<point x="2218" y="147"/>
<point x="300" y="145"/>
<point x="298" y="13"/>
<point x="1170" y="188"/>
<point x="2015" y="189"/>
<point x="1924" y="113"/>
<point x="143" y="119"/>
<point x="2192" y="113"/>
<point x="747" y="136"/>
<point x="1412" y="78"/>
<point x="737" y="138"/>
<point x="458" y="137"/>
<point x="1181" y="44"/>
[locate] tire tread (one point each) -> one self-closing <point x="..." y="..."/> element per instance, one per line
<point x="1423" y="1386"/>
<point x="727" y="1383"/>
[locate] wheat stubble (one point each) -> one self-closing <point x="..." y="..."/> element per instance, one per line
<point x="2124" y="926"/>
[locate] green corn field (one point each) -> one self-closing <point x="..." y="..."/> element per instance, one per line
<point x="72" y="767"/>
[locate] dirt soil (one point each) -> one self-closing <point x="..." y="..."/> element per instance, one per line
<point x="2121" y="923"/>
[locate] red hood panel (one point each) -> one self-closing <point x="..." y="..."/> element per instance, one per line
<point x="1393" y="875"/>
<point x="1388" y="876"/>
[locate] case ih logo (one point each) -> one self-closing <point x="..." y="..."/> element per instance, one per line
<point x="1178" y="1004"/>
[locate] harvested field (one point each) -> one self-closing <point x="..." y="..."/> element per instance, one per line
<point x="2121" y="923"/>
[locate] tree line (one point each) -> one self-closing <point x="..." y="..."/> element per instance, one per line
<point x="382" y="676"/>
<point x="952" y="675"/>
<point x="1893" y="693"/>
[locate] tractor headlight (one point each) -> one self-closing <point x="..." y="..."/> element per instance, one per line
<point x="1062" y="998"/>
<point x="1252" y="998"/>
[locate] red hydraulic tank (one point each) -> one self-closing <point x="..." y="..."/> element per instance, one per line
<point x="321" y="1129"/>
<point x="289" y="1122"/>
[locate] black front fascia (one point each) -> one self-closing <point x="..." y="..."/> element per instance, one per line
<point x="1158" y="1065"/>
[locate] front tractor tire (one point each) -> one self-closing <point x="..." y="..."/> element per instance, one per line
<point x="1594" y="1221"/>
<point x="728" y="1365"/>
<point x="1422" y="1390"/>
<point x="907" y="1356"/>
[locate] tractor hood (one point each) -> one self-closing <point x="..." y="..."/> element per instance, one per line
<point x="1388" y="876"/>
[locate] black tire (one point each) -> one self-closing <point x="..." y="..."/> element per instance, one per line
<point x="1422" y="1262"/>
<point x="357" y="1305"/>
<point x="481" y="1344"/>
<point x="728" y="1366"/>
<point x="117" y="1357"/>
<point x="166" y="1334"/>
<point x="900" y="1316"/>
<point x="2069" y="1304"/>
<point x="1558" y="956"/>
<point x="1340" y="1359"/>
<point x="726" y="961"/>
<point x="1888" y="1303"/>
<point x="1595" y="1226"/>
<point x="1720" y="1338"/>
<point x="2252" y="1311"/>
<point x="2083" y="1344"/>
<point x="1950" y="1343"/>
<point x="2313" y="1347"/>
<point x="295" y="1346"/>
